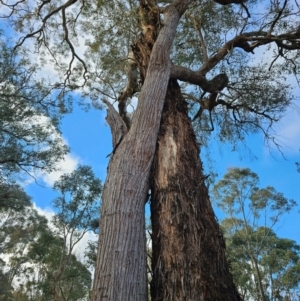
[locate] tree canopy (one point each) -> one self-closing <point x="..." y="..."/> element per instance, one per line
<point x="30" y="139"/>
<point x="208" y="58"/>
<point x="265" y="267"/>
<point x="39" y="259"/>
<point x="211" y="39"/>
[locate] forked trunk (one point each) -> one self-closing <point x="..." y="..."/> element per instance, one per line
<point x="188" y="260"/>
<point x="120" y="273"/>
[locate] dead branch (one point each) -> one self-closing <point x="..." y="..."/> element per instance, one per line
<point x="131" y="70"/>
<point x="116" y="123"/>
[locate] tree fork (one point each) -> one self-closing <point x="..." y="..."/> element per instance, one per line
<point x="188" y="259"/>
<point x="120" y="273"/>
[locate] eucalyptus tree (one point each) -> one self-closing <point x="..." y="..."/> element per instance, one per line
<point x="252" y="213"/>
<point x="49" y="280"/>
<point x="143" y="48"/>
<point x="40" y="258"/>
<point x="18" y="229"/>
<point x="77" y="206"/>
<point x="278" y="262"/>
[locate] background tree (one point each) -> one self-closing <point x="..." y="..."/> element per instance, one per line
<point x="6" y="288"/>
<point x="29" y="129"/>
<point x="251" y="215"/>
<point x="40" y="261"/>
<point x="78" y="206"/>
<point x="203" y="51"/>
<point x="50" y="280"/>
<point x="277" y="258"/>
<point x="18" y="229"/>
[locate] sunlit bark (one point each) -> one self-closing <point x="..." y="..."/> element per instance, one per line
<point x="121" y="264"/>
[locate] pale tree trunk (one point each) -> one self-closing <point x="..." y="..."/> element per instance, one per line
<point x="188" y="259"/>
<point x="259" y="283"/>
<point x="120" y="272"/>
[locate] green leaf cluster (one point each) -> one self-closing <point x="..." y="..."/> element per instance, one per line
<point x="38" y="258"/>
<point x="30" y="139"/>
<point x="264" y="266"/>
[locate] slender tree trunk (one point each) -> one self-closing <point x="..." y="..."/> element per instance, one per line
<point x="188" y="260"/>
<point x="260" y="288"/>
<point x="120" y="272"/>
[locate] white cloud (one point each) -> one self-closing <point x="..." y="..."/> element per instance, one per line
<point x="47" y="212"/>
<point x="82" y="244"/>
<point x="48" y="68"/>
<point x="66" y="165"/>
<point x="289" y="131"/>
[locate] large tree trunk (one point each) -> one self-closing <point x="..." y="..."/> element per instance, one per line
<point x="188" y="259"/>
<point x="120" y="272"/>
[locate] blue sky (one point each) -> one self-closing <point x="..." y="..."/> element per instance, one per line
<point x="89" y="138"/>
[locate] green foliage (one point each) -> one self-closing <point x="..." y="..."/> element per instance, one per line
<point x="253" y="100"/>
<point x="61" y="275"/>
<point x="19" y="227"/>
<point x="89" y="44"/>
<point x="12" y="196"/>
<point x="79" y="201"/>
<point x="262" y="263"/>
<point x="278" y="262"/>
<point x="29" y="135"/>
<point x="113" y="26"/>
<point x="239" y="196"/>
<point x="39" y="259"/>
<point x="90" y="254"/>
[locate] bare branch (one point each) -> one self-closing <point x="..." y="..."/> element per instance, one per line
<point x="12" y="7"/>
<point x="74" y="54"/>
<point x="131" y="88"/>
<point x="277" y="17"/>
<point x="116" y="123"/>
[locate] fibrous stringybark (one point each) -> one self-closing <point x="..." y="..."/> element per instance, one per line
<point x="188" y="248"/>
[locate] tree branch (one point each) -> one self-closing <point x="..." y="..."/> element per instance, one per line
<point x="218" y="83"/>
<point x="277" y="17"/>
<point x="131" y="88"/>
<point x="258" y="38"/>
<point x="197" y="27"/>
<point x="44" y="20"/>
<point x="74" y="54"/>
<point x="116" y="123"/>
<point x="40" y="35"/>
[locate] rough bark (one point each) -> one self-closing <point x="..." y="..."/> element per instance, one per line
<point x="120" y="272"/>
<point x="188" y="259"/>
